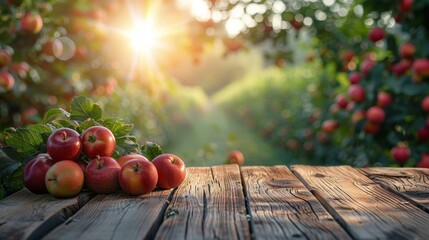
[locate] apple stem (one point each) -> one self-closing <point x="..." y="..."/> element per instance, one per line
<point x="92" y="138"/>
<point x="64" y="134"/>
<point x="52" y="179"/>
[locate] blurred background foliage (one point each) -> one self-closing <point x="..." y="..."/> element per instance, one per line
<point x="271" y="78"/>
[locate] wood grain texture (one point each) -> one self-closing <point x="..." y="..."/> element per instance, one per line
<point x="364" y="208"/>
<point x="411" y="183"/>
<point x="208" y="205"/>
<point x="115" y="216"/>
<point x="25" y="215"/>
<point x="282" y="208"/>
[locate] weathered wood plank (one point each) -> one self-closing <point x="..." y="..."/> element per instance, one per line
<point x="115" y="216"/>
<point x="25" y="215"/>
<point x="411" y="183"/>
<point x="282" y="208"/>
<point x="364" y="208"/>
<point x="208" y="205"/>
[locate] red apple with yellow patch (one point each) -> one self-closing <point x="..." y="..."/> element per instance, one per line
<point x="64" y="179"/>
<point x="138" y="177"/>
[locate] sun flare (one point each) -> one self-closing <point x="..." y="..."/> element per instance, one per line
<point x="143" y="37"/>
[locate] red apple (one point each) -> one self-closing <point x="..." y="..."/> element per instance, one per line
<point x="31" y="23"/>
<point x="235" y="157"/>
<point x="375" y="114"/>
<point x="6" y="81"/>
<point x="102" y="175"/>
<point x="4" y="58"/>
<point x="421" y="67"/>
<point x="138" y="177"/>
<point x="425" y="104"/>
<point x="423" y="134"/>
<point x="330" y="125"/>
<point x="406" y="5"/>
<point x="400" y="154"/>
<point x="98" y="141"/>
<point x="355" y="78"/>
<point x="376" y="34"/>
<point x="341" y="101"/>
<point x="357" y="93"/>
<point x="367" y="66"/>
<point x="424" y="161"/>
<point x="171" y="170"/>
<point x="35" y="171"/>
<point x="371" y="127"/>
<point x="64" y="144"/>
<point x="402" y="67"/>
<point x="407" y="50"/>
<point x="64" y="179"/>
<point x="384" y="99"/>
<point x="124" y="159"/>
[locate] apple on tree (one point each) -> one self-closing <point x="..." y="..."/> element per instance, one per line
<point x="376" y="34"/>
<point x="64" y="179"/>
<point x="330" y="125"/>
<point x="384" y="99"/>
<point x="375" y="114"/>
<point x="4" y="58"/>
<point x="171" y="170"/>
<point x="35" y="171"/>
<point x="31" y="23"/>
<point x="6" y="81"/>
<point x="357" y="93"/>
<point x="98" y="141"/>
<point x="400" y="154"/>
<point x="355" y="78"/>
<point x="138" y="176"/>
<point x="64" y="144"/>
<point x="102" y="175"/>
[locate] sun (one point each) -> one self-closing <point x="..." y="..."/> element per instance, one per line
<point x="143" y="37"/>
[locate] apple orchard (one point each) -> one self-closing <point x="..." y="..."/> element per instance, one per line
<point x="348" y="80"/>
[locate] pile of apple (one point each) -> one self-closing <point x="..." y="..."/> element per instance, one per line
<point x="62" y="172"/>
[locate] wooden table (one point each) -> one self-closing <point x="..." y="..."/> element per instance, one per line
<point x="228" y="202"/>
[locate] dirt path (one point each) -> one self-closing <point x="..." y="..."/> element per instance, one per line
<point x="214" y="134"/>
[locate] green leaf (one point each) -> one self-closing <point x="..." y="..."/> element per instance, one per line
<point x="68" y="123"/>
<point x="14" y="181"/>
<point x="83" y="108"/>
<point x="151" y="150"/>
<point x="55" y="113"/>
<point x="43" y="129"/>
<point x="87" y="124"/>
<point x="26" y="141"/>
<point x="7" y="165"/>
<point x="119" y="129"/>
<point x="126" y="145"/>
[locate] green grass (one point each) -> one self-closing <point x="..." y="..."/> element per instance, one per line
<point x="214" y="134"/>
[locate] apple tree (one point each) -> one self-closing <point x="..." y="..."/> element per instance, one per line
<point x="373" y="55"/>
